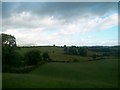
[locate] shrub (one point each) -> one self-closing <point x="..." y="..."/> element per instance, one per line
<point x="94" y="56"/>
<point x="45" y="56"/>
<point x="75" y="60"/>
<point x="82" y="51"/>
<point x="33" y="57"/>
<point x="16" y="60"/>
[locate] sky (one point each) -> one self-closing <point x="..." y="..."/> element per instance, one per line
<point x="61" y="23"/>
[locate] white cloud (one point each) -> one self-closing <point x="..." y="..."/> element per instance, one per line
<point x="109" y="22"/>
<point x="24" y="37"/>
<point x="94" y="42"/>
<point x="36" y="30"/>
<point x="83" y="25"/>
<point x="27" y="20"/>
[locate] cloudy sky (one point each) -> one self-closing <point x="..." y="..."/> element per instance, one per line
<point x="61" y="23"/>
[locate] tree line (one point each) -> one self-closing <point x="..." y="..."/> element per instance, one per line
<point x="73" y="50"/>
<point x="12" y="58"/>
<point x="83" y="51"/>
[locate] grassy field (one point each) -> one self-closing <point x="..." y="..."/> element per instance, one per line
<point x="56" y="53"/>
<point x="92" y="74"/>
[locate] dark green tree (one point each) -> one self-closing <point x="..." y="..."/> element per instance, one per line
<point x="82" y="51"/>
<point x="94" y="56"/>
<point x="65" y="49"/>
<point x="33" y="57"/>
<point x="45" y="56"/>
<point x="53" y="45"/>
<point x="8" y="49"/>
<point x="8" y="40"/>
<point x="73" y="50"/>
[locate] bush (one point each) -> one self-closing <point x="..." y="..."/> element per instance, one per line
<point x="50" y="59"/>
<point x="75" y="60"/>
<point x="45" y="56"/>
<point x="12" y="58"/>
<point x="82" y="51"/>
<point x="33" y="57"/>
<point x="16" y="60"/>
<point x="25" y="69"/>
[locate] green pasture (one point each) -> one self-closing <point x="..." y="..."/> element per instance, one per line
<point x="92" y="74"/>
<point x="56" y="53"/>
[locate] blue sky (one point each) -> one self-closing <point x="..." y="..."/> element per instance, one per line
<point x="70" y="23"/>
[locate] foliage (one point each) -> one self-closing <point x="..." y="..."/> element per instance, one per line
<point x="53" y="45"/>
<point x="25" y="69"/>
<point x="73" y="50"/>
<point x="82" y="51"/>
<point x="106" y="50"/>
<point x="9" y="54"/>
<point x="94" y="56"/>
<point x="65" y="49"/>
<point x="45" y="56"/>
<point x="33" y="57"/>
<point x="8" y="40"/>
<point x="75" y="60"/>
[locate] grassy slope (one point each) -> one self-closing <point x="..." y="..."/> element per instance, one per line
<point x="56" y="53"/>
<point x="102" y="73"/>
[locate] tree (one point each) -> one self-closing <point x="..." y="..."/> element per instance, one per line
<point x="33" y="57"/>
<point x="73" y="50"/>
<point x="94" y="56"/>
<point x="16" y="60"/>
<point x="65" y="49"/>
<point x="8" y="49"/>
<point x="45" y="56"/>
<point x="8" y="40"/>
<point x="82" y="51"/>
<point x="53" y="45"/>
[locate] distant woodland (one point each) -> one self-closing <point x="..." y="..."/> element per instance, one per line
<point x="14" y="61"/>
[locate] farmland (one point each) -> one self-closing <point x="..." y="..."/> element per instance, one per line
<point x="64" y="44"/>
<point x="83" y="74"/>
<point x="56" y="53"/>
